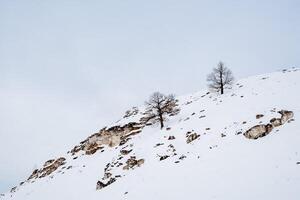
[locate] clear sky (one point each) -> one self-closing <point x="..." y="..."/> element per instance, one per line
<point x="69" y="67"/>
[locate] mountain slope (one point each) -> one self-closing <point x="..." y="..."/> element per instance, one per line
<point x="220" y="163"/>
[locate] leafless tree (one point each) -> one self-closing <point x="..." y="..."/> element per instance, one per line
<point x="159" y="106"/>
<point x="220" y="77"/>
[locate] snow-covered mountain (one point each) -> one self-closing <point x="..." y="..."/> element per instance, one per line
<point x="202" y="153"/>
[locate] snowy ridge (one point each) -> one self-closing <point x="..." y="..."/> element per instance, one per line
<point x="217" y="163"/>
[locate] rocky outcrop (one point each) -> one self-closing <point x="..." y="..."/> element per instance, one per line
<point x="132" y="162"/>
<point x="48" y="168"/>
<point x="101" y="185"/>
<point x="263" y="130"/>
<point x="258" y="131"/>
<point x="114" y="136"/>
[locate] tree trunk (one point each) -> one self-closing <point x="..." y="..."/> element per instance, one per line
<point x="161" y="120"/>
<point x="222" y="88"/>
<point x="222" y="84"/>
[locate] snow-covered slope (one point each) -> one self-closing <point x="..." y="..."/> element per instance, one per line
<point x="219" y="164"/>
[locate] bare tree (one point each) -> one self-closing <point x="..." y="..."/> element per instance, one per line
<point x="220" y="77"/>
<point x="160" y="105"/>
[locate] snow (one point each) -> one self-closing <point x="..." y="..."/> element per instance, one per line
<point x="215" y="167"/>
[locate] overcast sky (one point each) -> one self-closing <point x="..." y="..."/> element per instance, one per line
<point x="69" y="67"/>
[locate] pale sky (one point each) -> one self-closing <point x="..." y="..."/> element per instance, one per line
<point x="67" y="68"/>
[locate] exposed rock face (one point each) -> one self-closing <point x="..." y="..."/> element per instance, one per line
<point x="133" y="162"/>
<point x="263" y="130"/>
<point x="91" y="148"/>
<point x="101" y="185"/>
<point x="48" y="168"/>
<point x="114" y="136"/>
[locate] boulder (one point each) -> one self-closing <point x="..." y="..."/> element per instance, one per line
<point x="171" y="137"/>
<point x="258" y="131"/>
<point x="192" y="137"/>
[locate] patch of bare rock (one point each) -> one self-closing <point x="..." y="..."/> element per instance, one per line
<point x="191" y="137"/>
<point x="263" y="130"/>
<point x="132" y="162"/>
<point x="112" y="137"/>
<point x="48" y="168"/>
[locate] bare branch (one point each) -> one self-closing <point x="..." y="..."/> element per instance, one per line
<point x="220" y="78"/>
<point x="158" y="106"/>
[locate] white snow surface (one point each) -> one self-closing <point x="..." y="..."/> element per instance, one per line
<point x="215" y="167"/>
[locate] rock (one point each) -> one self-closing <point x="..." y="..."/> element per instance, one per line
<point x="171" y="137"/>
<point x="92" y="148"/>
<point x="133" y="162"/>
<point x="163" y="157"/>
<point x="132" y="112"/>
<point x="48" y="168"/>
<point x="48" y="162"/>
<point x="76" y="149"/>
<point x="182" y="157"/>
<point x="258" y="131"/>
<point x="239" y="132"/>
<point x="34" y="174"/>
<point x="192" y="137"/>
<point x="125" y="152"/>
<point x="258" y="116"/>
<point x="263" y="130"/>
<point x="112" y="137"/>
<point x="107" y="175"/>
<point x="14" y="189"/>
<point x="275" y="122"/>
<point x="285" y="115"/>
<point x="101" y="185"/>
<point x="158" y="144"/>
